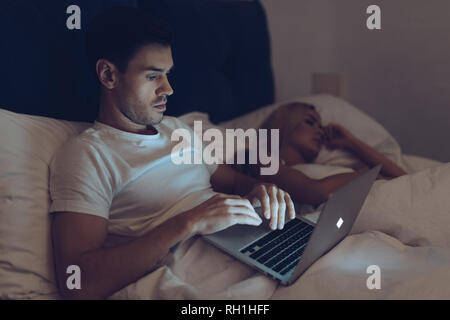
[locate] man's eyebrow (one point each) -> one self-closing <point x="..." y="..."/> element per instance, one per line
<point x="151" y="68"/>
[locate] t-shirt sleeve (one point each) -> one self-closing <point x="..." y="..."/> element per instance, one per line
<point x="80" y="180"/>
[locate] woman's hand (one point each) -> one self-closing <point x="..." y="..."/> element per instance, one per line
<point x="337" y="137"/>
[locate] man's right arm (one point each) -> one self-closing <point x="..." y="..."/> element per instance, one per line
<point x="78" y="239"/>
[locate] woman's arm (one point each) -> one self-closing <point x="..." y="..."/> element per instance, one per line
<point x="372" y="157"/>
<point x="303" y="189"/>
<point x="339" y="137"/>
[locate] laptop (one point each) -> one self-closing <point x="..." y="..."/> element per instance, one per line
<point x="286" y="254"/>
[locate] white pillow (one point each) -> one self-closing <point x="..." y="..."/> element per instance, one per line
<point x="333" y="109"/>
<point x="27" y="145"/>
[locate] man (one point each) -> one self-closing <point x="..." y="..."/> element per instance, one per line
<point x="118" y="178"/>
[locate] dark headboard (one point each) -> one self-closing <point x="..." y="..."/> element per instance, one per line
<point x="221" y="53"/>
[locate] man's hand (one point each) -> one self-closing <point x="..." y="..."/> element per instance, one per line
<point x="274" y="203"/>
<point x="220" y="212"/>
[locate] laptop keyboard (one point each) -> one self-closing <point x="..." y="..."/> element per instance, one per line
<point x="280" y="250"/>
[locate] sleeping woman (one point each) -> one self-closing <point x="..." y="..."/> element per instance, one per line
<point x="301" y="138"/>
<point x="414" y="208"/>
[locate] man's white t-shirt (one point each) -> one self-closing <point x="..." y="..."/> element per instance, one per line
<point x="127" y="178"/>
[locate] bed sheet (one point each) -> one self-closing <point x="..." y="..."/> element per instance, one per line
<point x="403" y="227"/>
<point x="199" y="271"/>
<point x="412" y="163"/>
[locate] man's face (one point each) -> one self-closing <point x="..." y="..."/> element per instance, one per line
<point x="143" y="89"/>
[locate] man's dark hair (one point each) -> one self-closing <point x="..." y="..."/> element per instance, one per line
<point x="118" y="33"/>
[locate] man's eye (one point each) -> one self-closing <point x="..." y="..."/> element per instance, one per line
<point x="310" y="122"/>
<point x="151" y="78"/>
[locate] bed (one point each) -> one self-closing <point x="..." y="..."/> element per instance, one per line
<point x="404" y="226"/>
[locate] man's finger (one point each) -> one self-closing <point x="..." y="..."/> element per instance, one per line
<point x="240" y="210"/>
<point x="264" y="198"/>
<point x="273" y="207"/>
<point x="239" y="202"/>
<point x="245" y="219"/>
<point x="281" y="208"/>
<point x="290" y="205"/>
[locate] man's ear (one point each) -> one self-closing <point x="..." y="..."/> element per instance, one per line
<point x="107" y="73"/>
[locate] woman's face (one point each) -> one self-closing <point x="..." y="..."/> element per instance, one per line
<point x="307" y="135"/>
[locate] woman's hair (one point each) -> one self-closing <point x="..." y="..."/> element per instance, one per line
<point x="285" y="118"/>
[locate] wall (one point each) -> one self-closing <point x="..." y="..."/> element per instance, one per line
<point x="400" y="75"/>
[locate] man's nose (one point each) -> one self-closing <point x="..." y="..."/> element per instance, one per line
<point x="165" y="89"/>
